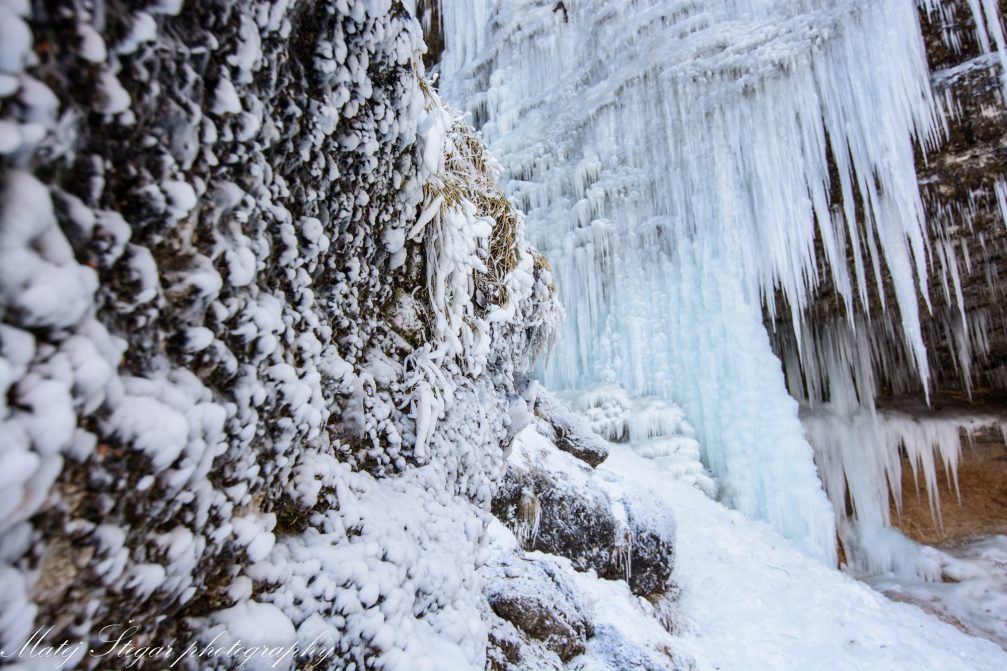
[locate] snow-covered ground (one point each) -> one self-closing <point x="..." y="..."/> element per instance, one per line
<point x="972" y="592"/>
<point x="755" y="602"/>
<point x="745" y="597"/>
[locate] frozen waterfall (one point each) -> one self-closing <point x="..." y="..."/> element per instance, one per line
<point x="677" y="160"/>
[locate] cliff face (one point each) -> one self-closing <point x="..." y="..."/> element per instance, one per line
<point x="263" y="312"/>
<point x="961" y="176"/>
<point x="964" y="189"/>
<point x="963" y="322"/>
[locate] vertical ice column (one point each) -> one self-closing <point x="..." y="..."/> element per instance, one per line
<point x="731" y="387"/>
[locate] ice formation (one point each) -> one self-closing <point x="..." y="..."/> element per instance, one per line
<point x="859" y="455"/>
<point x="674" y="159"/>
<point x="751" y="600"/>
<point x="655" y="429"/>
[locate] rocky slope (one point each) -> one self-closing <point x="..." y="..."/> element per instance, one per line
<point x="702" y="173"/>
<point x="266" y="318"/>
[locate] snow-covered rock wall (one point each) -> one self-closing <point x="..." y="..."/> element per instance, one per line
<point x="263" y="312"/>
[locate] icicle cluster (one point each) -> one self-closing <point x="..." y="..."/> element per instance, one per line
<point x="682" y="164"/>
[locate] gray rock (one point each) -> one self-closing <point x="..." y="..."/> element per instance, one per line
<point x="536" y="598"/>
<point x="510" y="649"/>
<point x="554" y="505"/>
<point x="572" y="434"/>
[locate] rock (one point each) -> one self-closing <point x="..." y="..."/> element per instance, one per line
<point x="510" y="649"/>
<point x="555" y="504"/>
<point x="961" y="182"/>
<point x="532" y="594"/>
<point x="544" y="615"/>
<point x="571" y="433"/>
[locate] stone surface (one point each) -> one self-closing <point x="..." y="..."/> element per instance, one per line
<point x="570" y="431"/>
<point x="958" y="178"/>
<point x="533" y="594"/>
<point x="554" y="505"/>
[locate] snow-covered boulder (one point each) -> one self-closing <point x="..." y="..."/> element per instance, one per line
<point x="533" y="593"/>
<point x="570" y="432"/>
<point x="556" y="504"/>
<point x="544" y="615"/>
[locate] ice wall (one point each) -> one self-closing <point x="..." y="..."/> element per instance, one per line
<point x="673" y="157"/>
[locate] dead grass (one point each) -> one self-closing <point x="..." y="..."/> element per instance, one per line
<point x="470" y="174"/>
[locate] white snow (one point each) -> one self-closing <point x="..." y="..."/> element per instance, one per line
<point x="747" y="598"/>
<point x="8" y="85"/>
<point x="261" y="628"/>
<point x="151" y="427"/>
<point x="387" y="444"/>
<point x="242" y="266"/>
<point x="92" y="46"/>
<point x="112" y="98"/>
<point x="972" y="591"/>
<point x="38" y="275"/>
<point x="756" y="601"/>
<point x="655" y="428"/>
<point x="181" y="195"/>
<point x="386" y="561"/>
<point x="198" y="339"/>
<point x="226" y="99"/>
<point x="143" y="29"/>
<point x="15" y="41"/>
<point x="10" y="137"/>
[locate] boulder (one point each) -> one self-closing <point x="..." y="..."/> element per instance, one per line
<point x="570" y="432"/>
<point x="532" y="594"/>
<point x="557" y="505"/>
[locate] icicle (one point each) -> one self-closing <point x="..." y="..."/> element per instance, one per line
<point x="1000" y="187"/>
<point x="529" y="518"/>
<point x="860" y="457"/>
